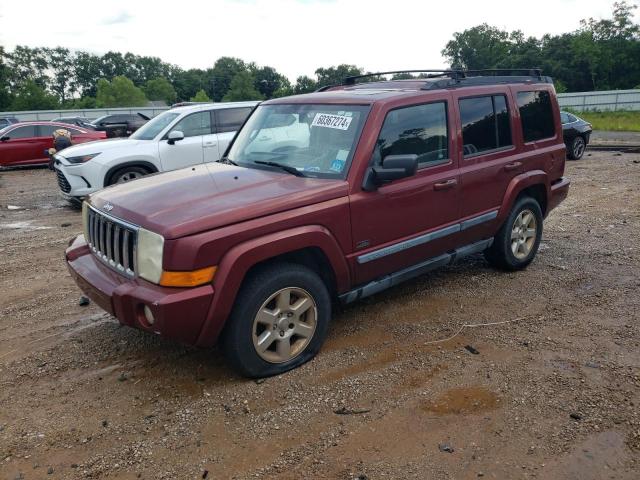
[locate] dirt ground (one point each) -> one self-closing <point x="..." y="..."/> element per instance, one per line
<point x="554" y="394"/>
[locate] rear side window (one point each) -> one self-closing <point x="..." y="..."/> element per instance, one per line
<point x="230" y="119"/>
<point x="485" y="124"/>
<point x="419" y="130"/>
<point x="536" y="115"/>
<point x="23" y="132"/>
<point x="195" y="124"/>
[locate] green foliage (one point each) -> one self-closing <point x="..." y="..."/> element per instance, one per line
<point x="31" y="96"/>
<point x="160" y="89"/>
<point x="335" y="75"/>
<point x="242" y="88"/>
<point x="189" y="82"/>
<point x="119" y="92"/>
<point x="200" y="96"/>
<point x="5" y="95"/>
<point x="222" y="74"/>
<point x="621" y="121"/>
<point x="304" y="84"/>
<point x="602" y="54"/>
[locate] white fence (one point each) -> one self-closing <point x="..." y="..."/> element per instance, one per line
<point x="579" y="101"/>
<point x="603" y="100"/>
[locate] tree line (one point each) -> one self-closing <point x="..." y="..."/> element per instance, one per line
<point x="600" y="55"/>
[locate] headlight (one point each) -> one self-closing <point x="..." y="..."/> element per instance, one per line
<point x="149" y="255"/>
<point x="82" y="158"/>
<point x="85" y="220"/>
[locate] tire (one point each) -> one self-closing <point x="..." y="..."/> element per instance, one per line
<point x="515" y="254"/>
<point x="256" y="319"/>
<point x="576" y="149"/>
<point x="127" y="174"/>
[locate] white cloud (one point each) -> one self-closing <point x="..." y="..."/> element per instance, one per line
<point x="294" y="36"/>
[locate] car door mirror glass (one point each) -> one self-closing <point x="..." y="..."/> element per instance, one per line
<point x="174" y="136"/>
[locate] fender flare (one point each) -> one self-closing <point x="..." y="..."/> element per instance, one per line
<point x="142" y="163"/>
<point x="235" y="264"/>
<point x="517" y="185"/>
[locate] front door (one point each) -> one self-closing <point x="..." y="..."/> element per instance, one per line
<point x="410" y="220"/>
<point x="189" y="150"/>
<point x="22" y="147"/>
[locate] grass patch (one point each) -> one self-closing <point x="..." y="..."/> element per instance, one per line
<point x="623" y="121"/>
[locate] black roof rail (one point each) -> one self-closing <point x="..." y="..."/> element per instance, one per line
<point x="462" y="77"/>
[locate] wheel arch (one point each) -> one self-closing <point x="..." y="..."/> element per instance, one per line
<point x="534" y="183"/>
<point x="147" y="165"/>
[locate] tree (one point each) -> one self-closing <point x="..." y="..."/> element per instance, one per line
<point x="61" y="63"/>
<point x="160" y="89"/>
<point x="268" y="80"/>
<point x="31" y="96"/>
<point x="189" y="82"/>
<point x="221" y="75"/>
<point x="120" y="92"/>
<point x="478" y="47"/>
<point x="336" y="75"/>
<point x="87" y="72"/>
<point x="28" y="64"/>
<point x="241" y="88"/>
<point x="5" y="95"/>
<point x="200" y="96"/>
<point x="305" y="84"/>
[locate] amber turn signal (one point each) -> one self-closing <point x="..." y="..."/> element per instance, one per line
<point x="187" y="279"/>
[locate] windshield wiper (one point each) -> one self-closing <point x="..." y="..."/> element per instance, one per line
<point x="228" y="161"/>
<point x="286" y="168"/>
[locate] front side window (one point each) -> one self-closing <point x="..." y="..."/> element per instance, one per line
<point x="417" y="130"/>
<point x="194" y="125"/>
<point x="485" y="124"/>
<point x="231" y="119"/>
<point x="27" y="131"/>
<point x="536" y="115"/>
<point x="315" y="140"/>
<point x="153" y="127"/>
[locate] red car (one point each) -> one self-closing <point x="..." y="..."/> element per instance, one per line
<point x="25" y="143"/>
<point x="327" y="197"/>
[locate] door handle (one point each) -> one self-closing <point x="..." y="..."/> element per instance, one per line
<point x="512" y="166"/>
<point x="210" y="144"/>
<point x="445" y="185"/>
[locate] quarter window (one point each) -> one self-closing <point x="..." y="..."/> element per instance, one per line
<point x="485" y="124"/>
<point x="27" y="131"/>
<point x="419" y="130"/>
<point x="195" y="124"/>
<point x="230" y="119"/>
<point x="536" y="115"/>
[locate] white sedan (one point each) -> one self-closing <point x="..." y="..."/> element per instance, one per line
<point x="177" y="138"/>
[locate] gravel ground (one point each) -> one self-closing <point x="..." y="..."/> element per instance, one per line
<point x="553" y="394"/>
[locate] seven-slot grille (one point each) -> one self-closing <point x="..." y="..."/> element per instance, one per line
<point x="113" y="241"/>
<point x="62" y="182"/>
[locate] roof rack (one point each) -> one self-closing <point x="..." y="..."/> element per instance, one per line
<point x="461" y="77"/>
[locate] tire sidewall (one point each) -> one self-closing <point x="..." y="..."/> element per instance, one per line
<point x="237" y="339"/>
<point x="573" y="146"/>
<point x="524" y="203"/>
<point x="114" y="176"/>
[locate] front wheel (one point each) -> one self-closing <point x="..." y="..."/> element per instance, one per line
<point x="576" y="148"/>
<point x="126" y="174"/>
<point x="279" y="320"/>
<point x="516" y="243"/>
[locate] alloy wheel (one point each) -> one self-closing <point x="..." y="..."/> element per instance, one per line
<point x="523" y="234"/>
<point x="128" y="176"/>
<point x="578" y="147"/>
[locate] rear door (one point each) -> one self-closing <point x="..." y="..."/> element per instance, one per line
<point x="228" y="121"/>
<point x="189" y="150"/>
<point x="21" y="148"/>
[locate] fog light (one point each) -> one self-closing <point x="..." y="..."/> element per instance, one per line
<point x="148" y="314"/>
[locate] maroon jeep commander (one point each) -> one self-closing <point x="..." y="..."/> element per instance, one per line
<point x="330" y="196"/>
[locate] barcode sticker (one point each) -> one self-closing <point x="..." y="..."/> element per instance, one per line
<point x="328" y="120"/>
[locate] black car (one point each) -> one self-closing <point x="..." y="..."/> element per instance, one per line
<point x="576" y="133"/>
<point x="83" y="122"/>
<point x="120" y="124"/>
<point x="6" y="121"/>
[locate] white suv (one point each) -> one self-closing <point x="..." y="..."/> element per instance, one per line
<point x="177" y="138"/>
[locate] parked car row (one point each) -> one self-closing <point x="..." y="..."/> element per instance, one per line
<point x="319" y="198"/>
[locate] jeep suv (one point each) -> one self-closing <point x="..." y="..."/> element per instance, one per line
<point x="326" y="197"/>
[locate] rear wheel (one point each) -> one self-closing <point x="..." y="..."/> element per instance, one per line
<point x="126" y="174"/>
<point x="576" y="148"/>
<point x="279" y="320"/>
<point x="516" y="243"/>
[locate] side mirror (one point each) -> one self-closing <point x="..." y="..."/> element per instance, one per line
<point x="175" y="136"/>
<point x="394" y="167"/>
<point x="6" y="138"/>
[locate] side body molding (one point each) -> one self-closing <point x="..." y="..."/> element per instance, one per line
<point x="238" y="260"/>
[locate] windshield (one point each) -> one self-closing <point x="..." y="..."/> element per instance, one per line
<point x="316" y="140"/>
<point x="152" y="128"/>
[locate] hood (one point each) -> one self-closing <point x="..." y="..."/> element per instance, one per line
<point x="196" y="199"/>
<point x="99" y="146"/>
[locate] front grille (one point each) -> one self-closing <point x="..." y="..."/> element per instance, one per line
<point x="62" y="182"/>
<point x="113" y="241"/>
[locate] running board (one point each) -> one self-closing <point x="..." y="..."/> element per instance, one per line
<point x="408" y="273"/>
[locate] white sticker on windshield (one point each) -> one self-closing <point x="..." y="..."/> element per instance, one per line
<point x="328" y="120"/>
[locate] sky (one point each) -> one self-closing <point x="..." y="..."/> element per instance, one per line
<point x="293" y="36"/>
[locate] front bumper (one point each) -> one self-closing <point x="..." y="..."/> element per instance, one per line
<point x="559" y="191"/>
<point x="179" y="313"/>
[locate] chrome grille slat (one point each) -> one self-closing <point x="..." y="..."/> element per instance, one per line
<point x="113" y="241"/>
